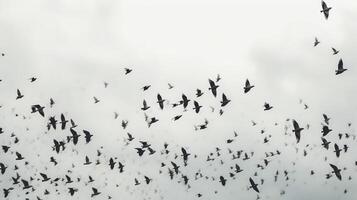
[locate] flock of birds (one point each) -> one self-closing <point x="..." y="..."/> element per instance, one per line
<point x="173" y="162"/>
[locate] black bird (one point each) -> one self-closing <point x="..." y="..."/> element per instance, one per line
<point x="53" y="123"/>
<point x="19" y="156"/>
<point x="95" y="192"/>
<point x="52" y="102"/>
<point x="340" y="68"/>
<point x="247" y="86"/>
<point x="140" y="151"/>
<point x="218" y="78"/>
<point x="2" y="168"/>
<point x="335" y="51"/>
<point x="238" y="169"/>
<point x="213" y="87"/>
<point x="38" y="108"/>
<point x="87" y="136"/>
<point x="96" y="100"/>
<point x="72" y="191"/>
<point x="198" y="93"/>
<point x="325" y="130"/>
<point x="337" y="150"/>
<point x="253" y="185"/>
<point x="33" y="79"/>
<point x="19" y="95"/>
<point x="297" y="130"/>
<point x="26" y="184"/>
<point x="7" y="191"/>
<point x="185" y="155"/>
<point x="316" y="42"/>
<point x="222" y="180"/>
<point x="336" y="171"/>
<point x="224" y="101"/>
<point x="75" y="136"/>
<point x="44" y="177"/>
<point x="160" y="101"/>
<point x="184" y="101"/>
<point x="325" y="9"/>
<point x="145" y="106"/>
<point x="267" y="106"/>
<point x="170" y="86"/>
<point x="147" y="179"/>
<point x="146" y="87"/>
<point x="197" y="107"/>
<point x="127" y="70"/>
<point x="177" y="117"/>
<point x="121" y="167"/>
<point x="176" y="167"/>
<point x="326" y="119"/>
<point x="111" y="163"/>
<point x="87" y="161"/>
<point x="63" y="122"/>
<point x="57" y="146"/>
<point x="68" y="179"/>
<point x="130" y="137"/>
<point x="325" y="143"/>
<point x="5" y="148"/>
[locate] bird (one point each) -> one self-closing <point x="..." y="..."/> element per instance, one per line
<point x="87" y="136"/>
<point x="267" y="106"/>
<point x="325" y="143"/>
<point x="224" y="101"/>
<point x="184" y="101"/>
<point x="160" y="101"/>
<point x="297" y="130"/>
<point x="253" y="185"/>
<point x="247" y="86"/>
<point x="325" y="130"/>
<point x="87" y="162"/>
<point x="63" y="122"/>
<point x="146" y="87"/>
<point x="177" y="117"/>
<point x="325" y="9"/>
<point x="96" y="100"/>
<point x="222" y="180"/>
<point x="19" y="156"/>
<point x="170" y="86"/>
<point x="19" y="95"/>
<point x="218" y="78"/>
<point x="197" y="106"/>
<point x="95" y="192"/>
<point x="316" y="42"/>
<point x="2" y="168"/>
<point x="334" y="51"/>
<point x="340" y="68"/>
<point x="326" y="119"/>
<point x="337" y="150"/>
<point x="33" y="79"/>
<point x="38" y="108"/>
<point x="198" y="93"/>
<point x="336" y="171"/>
<point x="26" y="184"/>
<point x="127" y="70"/>
<point x="213" y="87"/>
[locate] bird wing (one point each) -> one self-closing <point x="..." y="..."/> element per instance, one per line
<point x="323" y="4"/>
<point x="211" y="83"/>
<point x="340" y="64"/>
<point x="247" y="84"/>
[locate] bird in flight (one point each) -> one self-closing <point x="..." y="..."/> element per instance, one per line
<point x="340" y="68"/>
<point x="267" y="106"/>
<point x="297" y="130"/>
<point x="335" y="51"/>
<point x="160" y="101"/>
<point x="127" y="70"/>
<point x="316" y="42"/>
<point x="336" y="171"/>
<point x="253" y="185"/>
<point x="224" y="101"/>
<point x="19" y="95"/>
<point x="325" y="9"/>
<point x="213" y="87"/>
<point x="247" y="86"/>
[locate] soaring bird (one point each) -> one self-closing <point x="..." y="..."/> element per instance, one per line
<point x="96" y="100"/>
<point x="297" y="130"/>
<point x="325" y="9"/>
<point x="19" y="95"/>
<point x="160" y="101"/>
<point x="2" y="168"/>
<point x="224" y="101"/>
<point x="44" y="177"/>
<point x="38" y="108"/>
<point x="146" y="87"/>
<point x="335" y="51"/>
<point x="197" y="106"/>
<point x="326" y="119"/>
<point x="247" y="86"/>
<point x="95" y="192"/>
<point x="316" y="42"/>
<point x="336" y="171"/>
<point x="222" y="180"/>
<point x="198" y="93"/>
<point x="337" y="150"/>
<point x="127" y="70"/>
<point x="213" y="87"/>
<point x="325" y="130"/>
<point x="340" y="68"/>
<point x="253" y="185"/>
<point x="87" y="136"/>
<point x="63" y="122"/>
<point x="325" y="143"/>
<point x="184" y="101"/>
<point x="267" y="106"/>
<point x="184" y="155"/>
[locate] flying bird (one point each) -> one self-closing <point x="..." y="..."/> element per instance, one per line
<point x="224" y="101"/>
<point x="297" y="130"/>
<point x="213" y="87"/>
<point x="325" y="9"/>
<point x="19" y="95"/>
<point x="253" y="185"/>
<point x="160" y="101"/>
<point x="336" y="171"/>
<point x="247" y="86"/>
<point x="127" y="70"/>
<point x="340" y="68"/>
<point x="335" y="51"/>
<point x="316" y="42"/>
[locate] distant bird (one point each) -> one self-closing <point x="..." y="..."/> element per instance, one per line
<point x="177" y="117"/>
<point x="63" y="122"/>
<point x="336" y="171"/>
<point x="326" y="119"/>
<point x="198" y="93"/>
<point x="106" y="84"/>
<point x="2" y="168"/>
<point x="325" y="130"/>
<point x="44" y="177"/>
<point x="146" y="87"/>
<point x="218" y="78"/>
<point x="140" y="151"/>
<point x="95" y="192"/>
<point x="325" y="143"/>
<point x="145" y="106"/>
<point x="26" y="184"/>
<point x="325" y="9"/>
<point x="337" y="150"/>
<point x="316" y="42"/>
<point x="87" y="136"/>
<point x="224" y="101"/>
<point x="267" y="106"/>
<point x="197" y="106"/>
<point x="335" y="51"/>
<point x="213" y="87"/>
<point x="170" y="86"/>
<point x="147" y="179"/>
<point x="340" y="68"/>
<point x="185" y="155"/>
<point x="19" y="156"/>
<point x="184" y="101"/>
<point x="87" y="162"/>
<point x="116" y="115"/>
<point x="33" y="79"/>
<point x="253" y="185"/>
<point x="247" y="86"/>
<point x="297" y="130"/>
<point x="160" y="101"/>
<point x="19" y="95"/>
<point x="52" y="102"/>
<point x="127" y="70"/>
<point x="96" y="100"/>
<point x="222" y="180"/>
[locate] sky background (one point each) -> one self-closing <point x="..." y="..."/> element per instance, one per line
<point x="72" y="47"/>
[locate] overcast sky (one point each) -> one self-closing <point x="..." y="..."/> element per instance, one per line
<point x="73" y="47"/>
